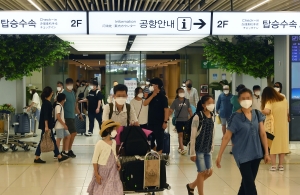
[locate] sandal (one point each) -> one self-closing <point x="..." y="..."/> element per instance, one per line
<point x="280" y="168"/>
<point x="183" y="152"/>
<point x="272" y="168"/>
<point x="190" y="190"/>
<point x="179" y="150"/>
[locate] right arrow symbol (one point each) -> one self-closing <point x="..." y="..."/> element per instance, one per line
<point x="201" y="24"/>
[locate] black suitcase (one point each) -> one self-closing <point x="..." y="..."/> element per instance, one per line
<point x="22" y="123"/>
<point x="132" y="174"/>
<point x="80" y="125"/>
<point x="166" y="146"/>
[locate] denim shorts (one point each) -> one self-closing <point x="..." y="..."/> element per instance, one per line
<point x="61" y="133"/>
<point x="203" y="161"/>
<point x="224" y="120"/>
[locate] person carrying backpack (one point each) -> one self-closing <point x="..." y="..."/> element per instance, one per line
<point x="201" y="145"/>
<point x="119" y="111"/>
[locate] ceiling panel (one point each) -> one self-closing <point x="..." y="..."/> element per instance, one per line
<point x="148" y="5"/>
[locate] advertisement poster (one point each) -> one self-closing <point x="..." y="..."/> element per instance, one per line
<point x="131" y="83"/>
<point x="215" y="76"/>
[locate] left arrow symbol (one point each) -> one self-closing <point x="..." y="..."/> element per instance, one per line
<point x="201" y="24"/>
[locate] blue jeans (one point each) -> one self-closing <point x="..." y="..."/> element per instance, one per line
<point x="38" y="148"/>
<point x="203" y="161"/>
<point x="36" y="116"/>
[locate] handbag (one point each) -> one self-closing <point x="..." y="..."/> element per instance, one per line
<point x="175" y="118"/>
<point x="47" y="144"/>
<point x="218" y="120"/>
<point x="270" y="136"/>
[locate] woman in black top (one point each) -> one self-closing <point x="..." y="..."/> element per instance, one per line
<point x="46" y="124"/>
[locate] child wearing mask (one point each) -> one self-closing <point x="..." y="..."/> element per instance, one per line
<point x="183" y="110"/>
<point x="106" y="178"/>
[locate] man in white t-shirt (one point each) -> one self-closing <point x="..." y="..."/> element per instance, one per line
<point x="35" y="107"/>
<point x="61" y="129"/>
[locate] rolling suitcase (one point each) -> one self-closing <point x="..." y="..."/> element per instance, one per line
<point x="22" y="123"/>
<point x="166" y="146"/>
<point x="80" y="125"/>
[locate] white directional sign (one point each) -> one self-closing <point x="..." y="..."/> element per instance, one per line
<point x="36" y="22"/>
<point x="155" y="23"/>
<point x="256" y="23"/>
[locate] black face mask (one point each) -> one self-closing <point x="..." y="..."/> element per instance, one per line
<point x="189" y="85"/>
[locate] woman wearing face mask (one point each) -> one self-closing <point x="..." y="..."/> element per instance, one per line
<point x="201" y="145"/>
<point x="141" y="111"/>
<point x="183" y="110"/>
<point x="35" y="107"/>
<point x="278" y="88"/>
<point x="247" y="132"/>
<point x="276" y="106"/>
<point x="106" y="178"/>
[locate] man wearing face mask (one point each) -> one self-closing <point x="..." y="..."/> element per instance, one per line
<point x="118" y="110"/>
<point x="59" y="89"/>
<point x="81" y="94"/>
<point x="256" y="104"/>
<point x="158" y="113"/>
<point x="94" y="100"/>
<point x="191" y="93"/>
<point x="69" y="111"/>
<point x="224" y="107"/>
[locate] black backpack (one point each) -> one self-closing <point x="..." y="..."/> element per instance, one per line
<point x="188" y="127"/>
<point x="134" y="141"/>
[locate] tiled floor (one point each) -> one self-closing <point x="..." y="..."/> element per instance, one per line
<point x="18" y="174"/>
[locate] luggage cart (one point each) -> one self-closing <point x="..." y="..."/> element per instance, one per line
<point x="151" y="174"/>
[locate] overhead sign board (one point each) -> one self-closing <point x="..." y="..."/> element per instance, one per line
<point x="36" y="22"/>
<point x="160" y="23"/>
<point x="256" y="23"/>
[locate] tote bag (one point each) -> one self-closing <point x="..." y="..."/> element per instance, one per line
<point x="47" y="144"/>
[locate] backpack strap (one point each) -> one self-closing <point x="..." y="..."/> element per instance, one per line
<point x="128" y="114"/>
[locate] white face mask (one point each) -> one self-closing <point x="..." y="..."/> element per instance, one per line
<point x="113" y="134"/>
<point x="147" y="83"/>
<point x="58" y="88"/>
<point x="246" y="103"/>
<point x="70" y="87"/>
<point x="140" y="95"/>
<point x="277" y="89"/>
<point x="120" y="100"/>
<point x="151" y="88"/>
<point x="181" y="95"/>
<point x="257" y="93"/>
<point x="226" y="91"/>
<point x="143" y="87"/>
<point x="210" y="107"/>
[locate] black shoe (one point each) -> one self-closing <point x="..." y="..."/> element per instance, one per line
<point x="55" y="157"/>
<point x="230" y="152"/>
<point x="63" y="158"/>
<point x="65" y="154"/>
<point x="39" y="161"/>
<point x="71" y="154"/>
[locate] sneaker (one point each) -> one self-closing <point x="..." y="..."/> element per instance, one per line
<point x="55" y="157"/>
<point x="63" y="153"/>
<point x="39" y="161"/>
<point x="89" y="134"/>
<point x="272" y="168"/>
<point x="179" y="150"/>
<point x="183" y="152"/>
<point x="63" y="158"/>
<point x="71" y="154"/>
<point x="280" y="168"/>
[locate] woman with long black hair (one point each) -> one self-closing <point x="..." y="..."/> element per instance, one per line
<point x="46" y="124"/>
<point x="201" y="145"/>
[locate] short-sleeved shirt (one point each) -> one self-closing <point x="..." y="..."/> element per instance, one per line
<point x="69" y="105"/>
<point x="224" y="106"/>
<point x="184" y="113"/>
<point x="235" y="102"/>
<point x="245" y="136"/>
<point x="156" y="112"/>
<point x="59" y="110"/>
<point x="36" y="100"/>
<point x="93" y="97"/>
<point x="46" y="115"/>
<point x="256" y="103"/>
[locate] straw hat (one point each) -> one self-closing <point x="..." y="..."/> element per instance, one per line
<point x="107" y="124"/>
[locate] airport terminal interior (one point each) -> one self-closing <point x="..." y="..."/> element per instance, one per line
<point x="131" y="42"/>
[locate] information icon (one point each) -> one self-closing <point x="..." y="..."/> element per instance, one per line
<point x="184" y="24"/>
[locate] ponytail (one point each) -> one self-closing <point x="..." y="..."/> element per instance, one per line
<point x="46" y="93"/>
<point x="203" y="100"/>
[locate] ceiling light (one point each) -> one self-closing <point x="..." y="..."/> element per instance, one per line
<point x="35" y="5"/>
<point x="258" y="5"/>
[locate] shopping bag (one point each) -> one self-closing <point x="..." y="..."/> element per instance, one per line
<point x="269" y="123"/>
<point x="218" y="120"/>
<point x="47" y="144"/>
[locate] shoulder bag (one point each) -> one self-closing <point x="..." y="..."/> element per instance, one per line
<point x="175" y="118"/>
